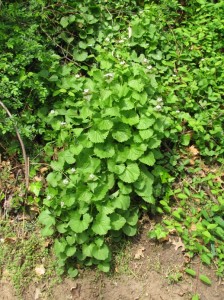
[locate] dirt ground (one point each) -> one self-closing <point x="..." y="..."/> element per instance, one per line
<point x="144" y="271"/>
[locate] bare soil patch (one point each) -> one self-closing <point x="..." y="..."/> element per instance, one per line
<point x="144" y="270"/>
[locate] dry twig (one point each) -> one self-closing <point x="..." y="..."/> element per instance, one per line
<point x="26" y="159"/>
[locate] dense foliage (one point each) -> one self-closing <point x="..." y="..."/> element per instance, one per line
<point x="112" y="92"/>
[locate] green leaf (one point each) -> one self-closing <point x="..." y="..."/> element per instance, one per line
<point x="205" y="258"/>
<point x="53" y="178"/>
<point x="190" y="272"/>
<point x="195" y="297"/>
<point x="104" y="151"/>
<point x="132" y="219"/>
<point x="35" y="187"/>
<point x="105" y="124"/>
<point x="201" y="1"/>
<point x="59" y="246"/>
<point x="97" y="136"/>
<point x="125" y="188"/>
<point x="117" y="221"/>
<point x="121" y="133"/>
<point x="70" y="251"/>
<point x="137" y="85"/>
<point x="129" y="230"/>
<point x="101" y="253"/>
<point x="205" y="279"/>
<point x="64" y="22"/>
<point x="185" y="139"/>
<point x="100" y="192"/>
<point x="80" y="56"/>
<point x="73" y="272"/>
<point x="47" y="231"/>
<point x="122" y="202"/>
<point x="136" y="151"/>
<point x="137" y="30"/>
<point x="131" y="173"/>
<point x="62" y="228"/>
<point x="71" y="240"/>
<point x="130" y="118"/>
<point x="68" y="156"/>
<point x="101" y="225"/>
<point x="79" y="223"/>
<point x="88" y="249"/>
<point x="57" y="165"/>
<point x="104" y="267"/>
<point x="146" y="134"/>
<point x="157" y="56"/>
<point x="153" y="81"/>
<point x="145" y="122"/>
<point x="76" y="149"/>
<point x="46" y="218"/>
<point x="154" y="143"/>
<point x="144" y="185"/>
<point x="148" y="159"/>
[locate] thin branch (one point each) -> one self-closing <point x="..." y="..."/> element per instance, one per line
<point x="26" y="159"/>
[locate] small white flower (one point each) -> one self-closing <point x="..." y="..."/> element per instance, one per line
<point x="52" y="112"/>
<point x="77" y="76"/>
<point x="86" y="91"/>
<point x="122" y="62"/>
<point x="129" y="32"/>
<point x="73" y="170"/>
<point x="120" y="41"/>
<point x="149" y="67"/>
<point x="91" y="176"/>
<point x="177" y="111"/>
<point x="65" y="181"/>
<point x="202" y="59"/>
<point x="159" y="99"/>
<point x="63" y="123"/>
<point x="107" y="39"/>
<point x="2" y="240"/>
<point x="109" y="75"/>
<point x="62" y="204"/>
<point x="158" y="107"/>
<point x="174" y="75"/>
<point x="145" y="61"/>
<point x="48" y="197"/>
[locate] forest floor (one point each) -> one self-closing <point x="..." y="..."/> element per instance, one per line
<point x="143" y="270"/>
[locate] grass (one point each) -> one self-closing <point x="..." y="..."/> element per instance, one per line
<point x="22" y="250"/>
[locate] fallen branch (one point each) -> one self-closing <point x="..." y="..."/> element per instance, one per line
<point x="26" y="159"/>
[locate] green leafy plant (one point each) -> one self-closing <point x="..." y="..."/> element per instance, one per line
<point x="110" y="95"/>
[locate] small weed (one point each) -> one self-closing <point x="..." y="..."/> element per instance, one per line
<point x="122" y="259"/>
<point x="21" y="254"/>
<point x="174" y="276"/>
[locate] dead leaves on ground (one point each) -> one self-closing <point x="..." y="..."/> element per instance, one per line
<point x="178" y="244"/>
<point x="139" y="253"/>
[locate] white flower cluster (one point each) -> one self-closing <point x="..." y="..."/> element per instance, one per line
<point x="86" y="92"/>
<point x="92" y="176"/>
<point x="65" y="181"/>
<point x="159" y="105"/>
<point x="109" y="75"/>
<point x="73" y="170"/>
